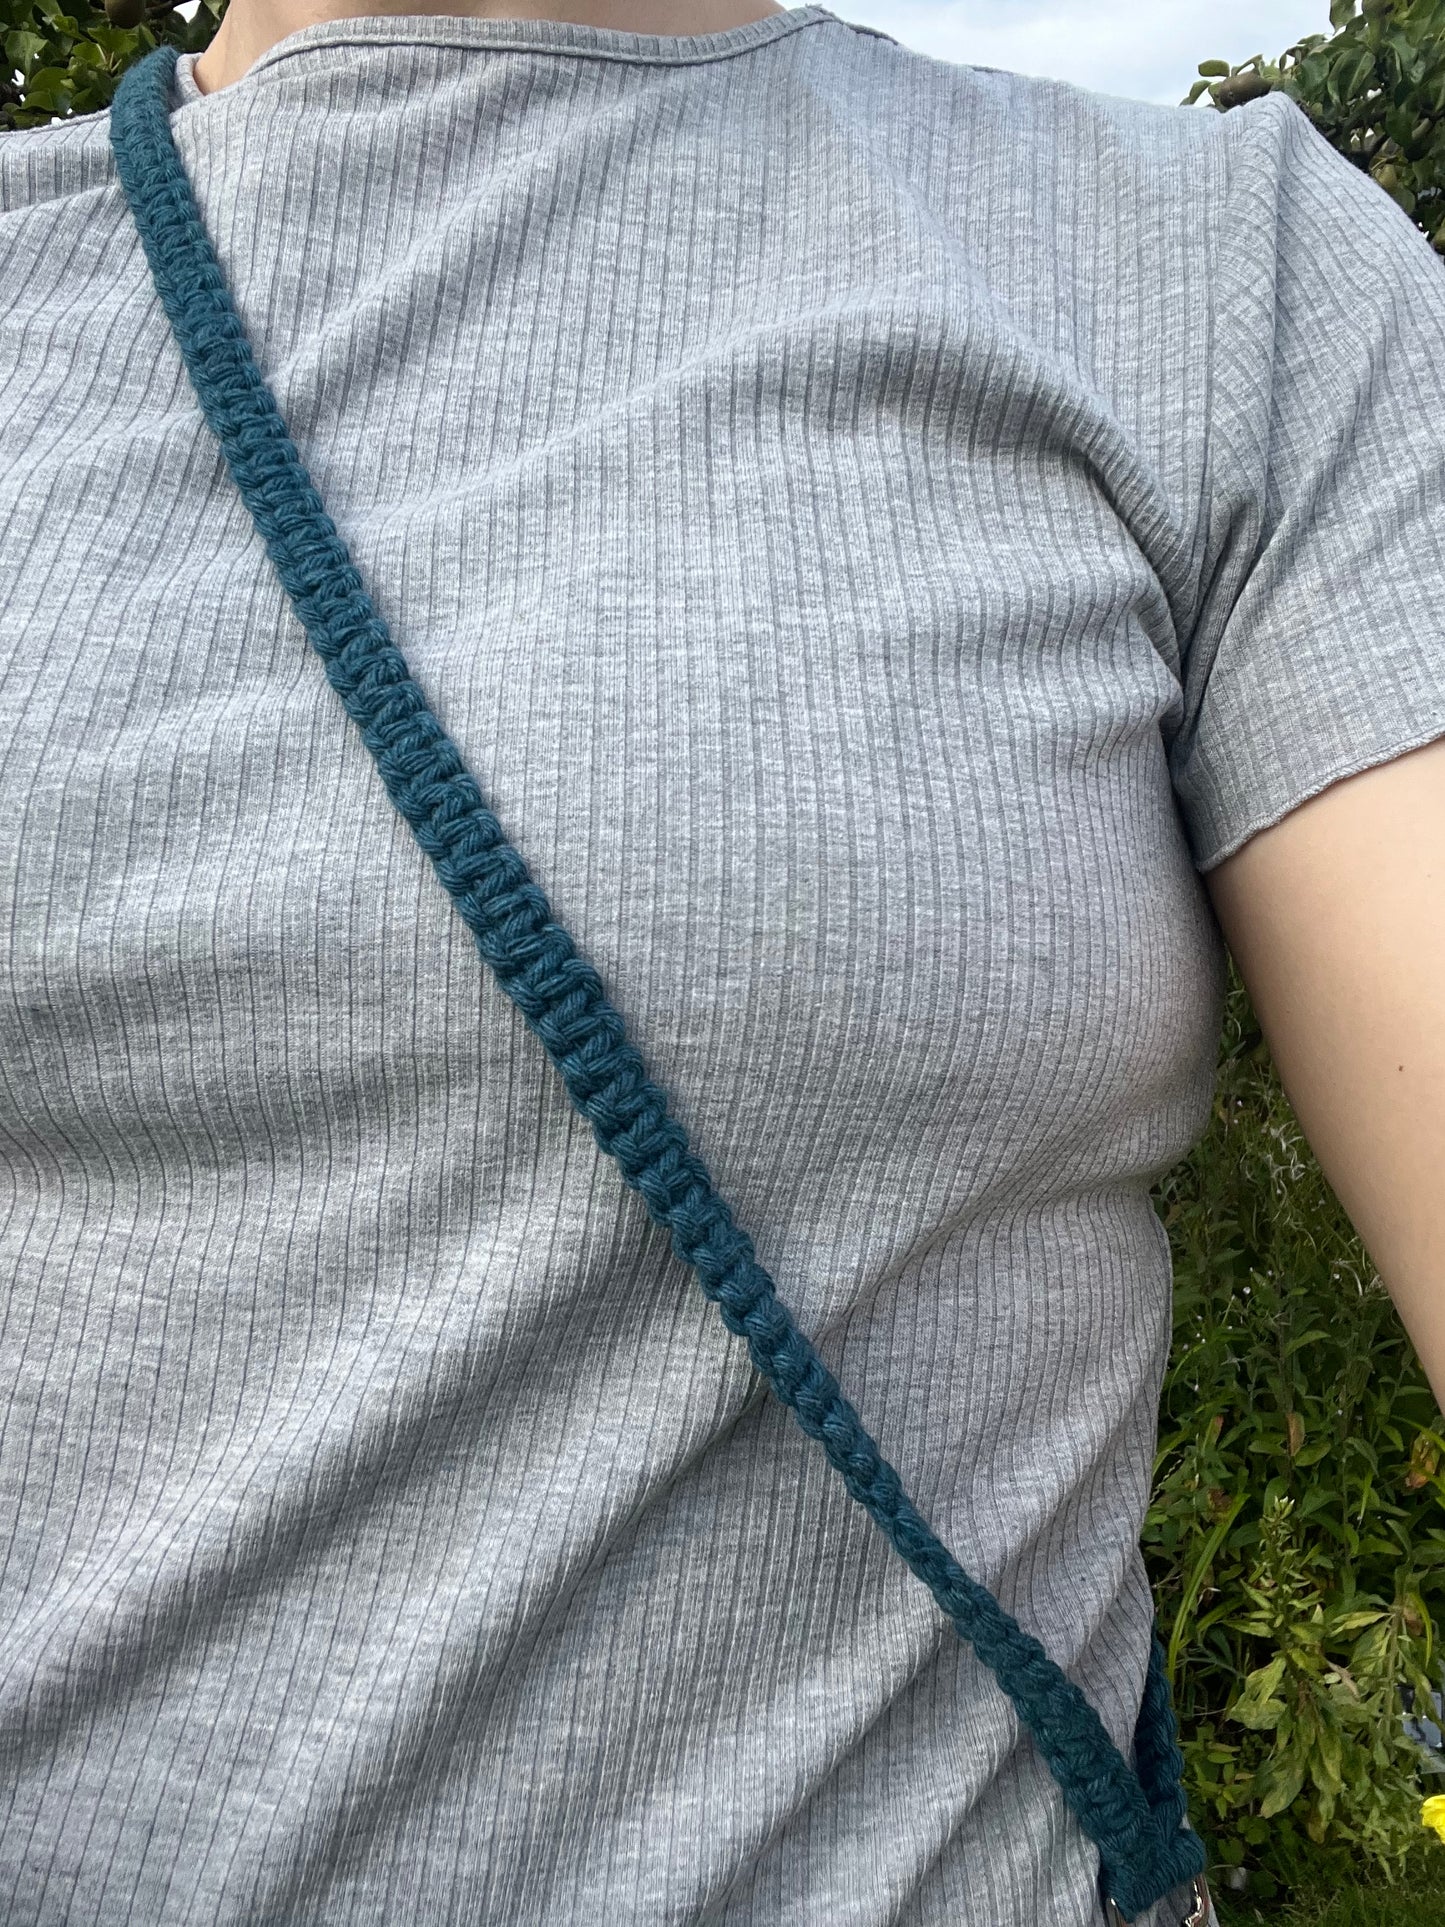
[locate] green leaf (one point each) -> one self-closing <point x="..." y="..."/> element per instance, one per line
<point x="1214" y="69"/>
<point x="1327" y="1765"/>
<point x="1260" y="1716"/>
<point x="1256" y="1707"/>
<point x="49" y="89"/>
<point x="119" y="41"/>
<point x="1278" y="1783"/>
<point x="1192" y="1584"/>
<point x="23" y="49"/>
<point x="1351" y="73"/>
<point x="1306" y="1338"/>
<point x="1352" y="1622"/>
<point x="51" y="11"/>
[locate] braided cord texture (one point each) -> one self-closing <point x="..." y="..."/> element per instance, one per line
<point x="1138" y="1823"/>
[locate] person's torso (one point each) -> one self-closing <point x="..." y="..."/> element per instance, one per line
<point x="781" y="469"/>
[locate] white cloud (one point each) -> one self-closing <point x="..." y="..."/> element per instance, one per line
<point x="1145" y="49"/>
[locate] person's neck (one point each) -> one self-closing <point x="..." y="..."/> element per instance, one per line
<point x="249" y="27"/>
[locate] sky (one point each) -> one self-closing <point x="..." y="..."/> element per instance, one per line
<point x="1146" y="49"/>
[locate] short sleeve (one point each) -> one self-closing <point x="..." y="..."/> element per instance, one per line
<point x="1317" y="646"/>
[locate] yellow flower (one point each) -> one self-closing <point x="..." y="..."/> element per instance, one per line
<point x="1432" y="1814"/>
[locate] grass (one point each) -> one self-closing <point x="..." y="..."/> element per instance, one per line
<point x="1418" y="1900"/>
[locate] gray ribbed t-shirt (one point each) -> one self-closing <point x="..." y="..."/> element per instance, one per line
<point x="877" y="529"/>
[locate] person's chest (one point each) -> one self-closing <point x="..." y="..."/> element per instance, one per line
<point x="812" y="654"/>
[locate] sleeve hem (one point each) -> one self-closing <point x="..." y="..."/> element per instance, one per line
<point x="1225" y="842"/>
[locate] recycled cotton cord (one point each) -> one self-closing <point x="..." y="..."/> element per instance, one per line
<point x="1137" y="1821"/>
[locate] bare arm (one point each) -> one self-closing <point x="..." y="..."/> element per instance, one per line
<point x="1336" y="919"/>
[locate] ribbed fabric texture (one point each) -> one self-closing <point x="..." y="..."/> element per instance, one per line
<point x="869" y="523"/>
<point x="1135" y="1815"/>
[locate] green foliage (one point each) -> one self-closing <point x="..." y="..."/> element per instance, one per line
<point x="71" y="62"/>
<point x="1416" y="1901"/>
<point x="1296" y="1539"/>
<point x="1375" y="90"/>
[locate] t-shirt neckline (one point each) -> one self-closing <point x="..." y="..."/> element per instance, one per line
<point x="516" y="35"/>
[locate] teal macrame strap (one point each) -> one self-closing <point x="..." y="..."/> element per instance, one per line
<point x="1139" y="1824"/>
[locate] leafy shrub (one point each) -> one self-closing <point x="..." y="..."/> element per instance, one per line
<point x="1376" y="91"/>
<point x="1363" y="1903"/>
<point x="70" y="62"/>
<point x="1296" y="1538"/>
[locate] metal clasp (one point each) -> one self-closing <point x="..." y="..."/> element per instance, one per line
<point x="1198" y="1915"/>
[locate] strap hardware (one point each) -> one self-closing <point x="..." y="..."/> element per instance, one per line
<point x="1197" y="1916"/>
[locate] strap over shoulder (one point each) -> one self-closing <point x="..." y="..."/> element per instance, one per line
<point x="1137" y="1819"/>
